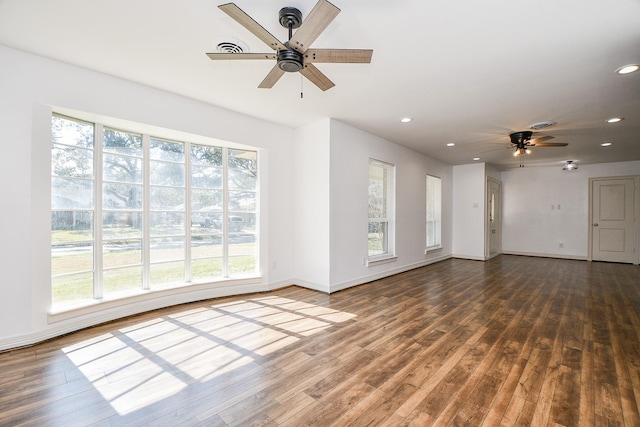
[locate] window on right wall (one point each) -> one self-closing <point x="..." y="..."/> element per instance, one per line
<point x="381" y="210"/>
<point x="434" y="212"/>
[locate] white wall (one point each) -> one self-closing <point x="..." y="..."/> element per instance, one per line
<point x="544" y="207"/>
<point x="311" y="215"/>
<point x="30" y="86"/>
<point x="351" y="150"/>
<point x="469" y="211"/>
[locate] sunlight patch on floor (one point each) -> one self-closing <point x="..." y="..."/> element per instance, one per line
<point x="146" y="362"/>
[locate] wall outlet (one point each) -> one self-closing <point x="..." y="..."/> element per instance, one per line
<point x="561" y="245"/>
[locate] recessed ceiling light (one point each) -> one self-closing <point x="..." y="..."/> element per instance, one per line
<point x="406" y="119"/>
<point x="614" y="120"/>
<point x="628" y="69"/>
<point x="476" y="159"/>
<point x="606" y="144"/>
<point x="451" y="144"/>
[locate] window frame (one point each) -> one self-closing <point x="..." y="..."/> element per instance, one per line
<point x="99" y="180"/>
<point x="388" y="216"/>
<point x="434" y="242"/>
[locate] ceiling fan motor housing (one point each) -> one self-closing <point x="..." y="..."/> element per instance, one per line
<point x="290" y="61"/>
<point x="521" y="138"/>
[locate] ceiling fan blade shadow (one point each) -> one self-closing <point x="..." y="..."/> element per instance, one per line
<point x="314" y="24"/>
<point x="234" y="56"/>
<point x="272" y="78"/>
<point x="342" y="56"/>
<point x="316" y="77"/>
<point x="248" y="22"/>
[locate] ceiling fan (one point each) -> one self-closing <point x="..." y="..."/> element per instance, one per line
<point x="522" y="142"/>
<point x="295" y="54"/>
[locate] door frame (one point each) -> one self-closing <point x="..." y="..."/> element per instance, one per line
<point x="636" y="213"/>
<point x="487" y="220"/>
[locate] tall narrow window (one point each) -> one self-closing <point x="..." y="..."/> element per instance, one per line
<point x="381" y="209"/>
<point x="131" y="212"/>
<point x="434" y="212"/>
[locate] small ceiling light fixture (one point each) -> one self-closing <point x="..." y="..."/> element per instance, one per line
<point x="614" y="120"/>
<point x="451" y="144"/>
<point x="569" y="166"/>
<point x="606" y="144"/>
<point x="406" y="119"/>
<point x="628" y="69"/>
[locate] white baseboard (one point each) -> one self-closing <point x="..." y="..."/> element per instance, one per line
<point x="546" y="255"/>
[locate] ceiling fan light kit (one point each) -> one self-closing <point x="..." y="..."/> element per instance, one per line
<point x="294" y="55"/>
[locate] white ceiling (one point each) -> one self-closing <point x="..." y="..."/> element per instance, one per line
<point x="468" y="73"/>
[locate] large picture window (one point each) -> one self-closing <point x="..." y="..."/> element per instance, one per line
<point x="434" y="212"/>
<point x="132" y="212"/>
<point x="381" y="210"/>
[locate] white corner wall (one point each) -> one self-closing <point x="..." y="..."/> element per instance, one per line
<point x="469" y="183"/>
<point x="545" y="208"/>
<point x="311" y="215"/>
<point x="30" y="86"/>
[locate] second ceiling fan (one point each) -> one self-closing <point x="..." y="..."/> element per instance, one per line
<point x="295" y="54"/>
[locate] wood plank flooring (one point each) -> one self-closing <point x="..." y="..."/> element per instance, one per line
<point x="514" y="341"/>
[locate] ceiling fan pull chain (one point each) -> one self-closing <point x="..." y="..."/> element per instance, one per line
<point x="301" y="87"/>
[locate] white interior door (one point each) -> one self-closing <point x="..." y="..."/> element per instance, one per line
<point x="613" y="235"/>
<point x="494" y="218"/>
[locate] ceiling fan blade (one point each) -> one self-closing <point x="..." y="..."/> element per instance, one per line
<point x="352" y="56"/>
<point x="272" y="78"/>
<point x="315" y="23"/>
<point x="231" y="56"/>
<point x="316" y="77"/>
<point x="542" y="139"/>
<point x="246" y="21"/>
<point x="550" y="144"/>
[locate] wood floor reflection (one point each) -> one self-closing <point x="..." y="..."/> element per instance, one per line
<point x="511" y="341"/>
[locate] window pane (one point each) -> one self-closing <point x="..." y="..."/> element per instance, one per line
<point x="162" y="275"/>
<point x="122" y="281"/>
<point x="120" y="253"/>
<point x="167" y="198"/>
<point x="166" y="150"/>
<point x="70" y="193"/>
<point x="67" y="258"/>
<point x="167" y="249"/>
<point x="242" y="201"/>
<point x="167" y="223"/>
<point x="378" y="243"/>
<point x="116" y="141"/>
<point x="242" y="265"/>
<point x="71" y="162"/>
<point x="204" y="269"/>
<point x="167" y="174"/>
<point x="206" y="200"/>
<point x="240" y="179"/>
<point x="206" y="246"/>
<point x="205" y="155"/>
<point x="121" y="225"/>
<point x="122" y="196"/>
<point x="71" y="132"/>
<point x="73" y="289"/>
<point x="206" y="177"/>
<point x="69" y="226"/>
<point x="122" y="169"/>
<point x="377" y="191"/>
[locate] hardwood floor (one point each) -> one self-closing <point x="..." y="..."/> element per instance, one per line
<point x="513" y="341"/>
